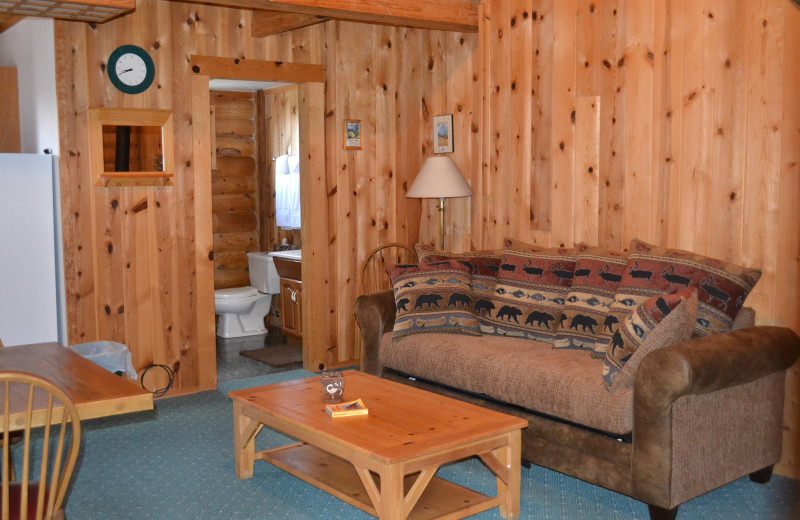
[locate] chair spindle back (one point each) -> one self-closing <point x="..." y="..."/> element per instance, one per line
<point x="30" y="400"/>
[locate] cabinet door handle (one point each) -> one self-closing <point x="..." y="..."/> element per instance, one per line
<point x="293" y="296"/>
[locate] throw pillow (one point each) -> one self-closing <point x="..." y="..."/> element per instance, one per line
<point x="433" y="297"/>
<point x="529" y="295"/>
<point x="598" y="272"/>
<point x="428" y="253"/>
<point x="483" y="266"/>
<point x="658" y="322"/>
<point x="652" y="270"/>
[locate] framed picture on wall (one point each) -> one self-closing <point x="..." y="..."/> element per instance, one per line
<point x="443" y="134"/>
<point x="352" y="134"/>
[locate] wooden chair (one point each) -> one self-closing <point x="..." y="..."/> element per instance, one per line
<point x="15" y="438"/>
<point x="373" y="271"/>
<point x="40" y="492"/>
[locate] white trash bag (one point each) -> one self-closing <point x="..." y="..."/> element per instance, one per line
<point x="110" y="355"/>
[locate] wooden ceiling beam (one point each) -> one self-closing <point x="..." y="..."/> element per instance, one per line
<point x="257" y="70"/>
<point x="267" y="23"/>
<point x="450" y="15"/>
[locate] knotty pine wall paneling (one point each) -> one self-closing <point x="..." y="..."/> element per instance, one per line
<point x="278" y="133"/>
<point x="10" y="138"/>
<point x="787" y="307"/>
<point x="367" y="71"/>
<point x="688" y="108"/>
<point x="234" y="201"/>
<point x="138" y="261"/>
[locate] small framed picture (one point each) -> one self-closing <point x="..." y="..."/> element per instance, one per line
<point x="443" y="134"/>
<point x="352" y="134"/>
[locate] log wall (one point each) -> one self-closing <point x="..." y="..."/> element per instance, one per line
<point x="235" y="201"/>
<point x="674" y="121"/>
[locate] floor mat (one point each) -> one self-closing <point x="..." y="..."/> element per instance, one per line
<point x="276" y="356"/>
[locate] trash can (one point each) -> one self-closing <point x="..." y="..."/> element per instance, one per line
<point x="110" y="355"/>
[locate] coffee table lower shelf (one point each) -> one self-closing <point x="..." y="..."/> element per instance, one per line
<point x="441" y="498"/>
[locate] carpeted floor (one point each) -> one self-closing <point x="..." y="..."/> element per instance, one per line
<point x="176" y="463"/>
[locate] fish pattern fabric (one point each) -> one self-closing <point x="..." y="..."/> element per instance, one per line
<point x="528" y="297"/>
<point x="722" y="287"/>
<point x="433" y="297"/>
<point x="658" y="322"/>
<point x="598" y="272"/>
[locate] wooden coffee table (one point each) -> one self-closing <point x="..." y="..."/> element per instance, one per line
<point x="383" y="463"/>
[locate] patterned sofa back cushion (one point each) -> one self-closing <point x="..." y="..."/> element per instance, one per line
<point x="598" y="272"/>
<point x="528" y="298"/>
<point x="653" y="270"/>
<point x="433" y="297"/>
<point x="483" y="266"/>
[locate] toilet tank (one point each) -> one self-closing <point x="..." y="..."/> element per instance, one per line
<point x="263" y="275"/>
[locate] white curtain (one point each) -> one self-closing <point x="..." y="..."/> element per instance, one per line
<point x="287" y="191"/>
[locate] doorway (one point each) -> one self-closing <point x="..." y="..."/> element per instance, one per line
<point x="310" y="88"/>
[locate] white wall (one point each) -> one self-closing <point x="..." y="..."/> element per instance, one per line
<point x="30" y="47"/>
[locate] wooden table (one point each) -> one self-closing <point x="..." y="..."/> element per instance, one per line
<point x="383" y="463"/>
<point x="95" y="391"/>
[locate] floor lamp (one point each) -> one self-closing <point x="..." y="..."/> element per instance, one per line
<point x="440" y="179"/>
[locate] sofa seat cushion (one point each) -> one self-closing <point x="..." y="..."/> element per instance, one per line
<point x="562" y="383"/>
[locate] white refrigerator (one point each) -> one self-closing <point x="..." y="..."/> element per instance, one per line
<point x="31" y="279"/>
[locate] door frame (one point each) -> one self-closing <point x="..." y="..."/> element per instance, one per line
<point x="310" y="80"/>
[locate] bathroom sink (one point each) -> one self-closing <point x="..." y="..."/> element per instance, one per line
<point x="287" y="263"/>
<point x="293" y="255"/>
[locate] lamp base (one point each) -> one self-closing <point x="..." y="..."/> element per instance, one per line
<point x="441" y="207"/>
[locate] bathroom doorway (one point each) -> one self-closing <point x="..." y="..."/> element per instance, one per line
<point x="256" y="208"/>
<point x="303" y="100"/>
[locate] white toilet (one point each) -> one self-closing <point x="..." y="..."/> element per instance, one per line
<point x="242" y="310"/>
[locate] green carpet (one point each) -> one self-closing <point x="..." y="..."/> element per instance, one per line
<point x="176" y="463"/>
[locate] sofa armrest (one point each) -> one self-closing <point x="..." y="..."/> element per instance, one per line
<point x="375" y="315"/>
<point x="699" y="366"/>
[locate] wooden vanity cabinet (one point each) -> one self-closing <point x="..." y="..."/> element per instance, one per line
<point x="292" y="307"/>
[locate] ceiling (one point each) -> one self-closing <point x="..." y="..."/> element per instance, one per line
<point x="78" y="10"/>
<point x="241" y="85"/>
<point x="270" y="16"/>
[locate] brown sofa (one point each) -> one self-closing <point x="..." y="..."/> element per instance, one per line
<point x="701" y="414"/>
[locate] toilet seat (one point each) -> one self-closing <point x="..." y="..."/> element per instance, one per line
<point x="235" y="292"/>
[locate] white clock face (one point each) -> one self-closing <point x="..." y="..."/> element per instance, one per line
<point x="131" y="69"/>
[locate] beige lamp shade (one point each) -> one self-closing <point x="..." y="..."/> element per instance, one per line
<point x="439" y="178"/>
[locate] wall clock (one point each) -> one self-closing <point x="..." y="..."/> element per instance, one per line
<point x="131" y="69"/>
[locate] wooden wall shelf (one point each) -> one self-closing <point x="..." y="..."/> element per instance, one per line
<point x="117" y="179"/>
